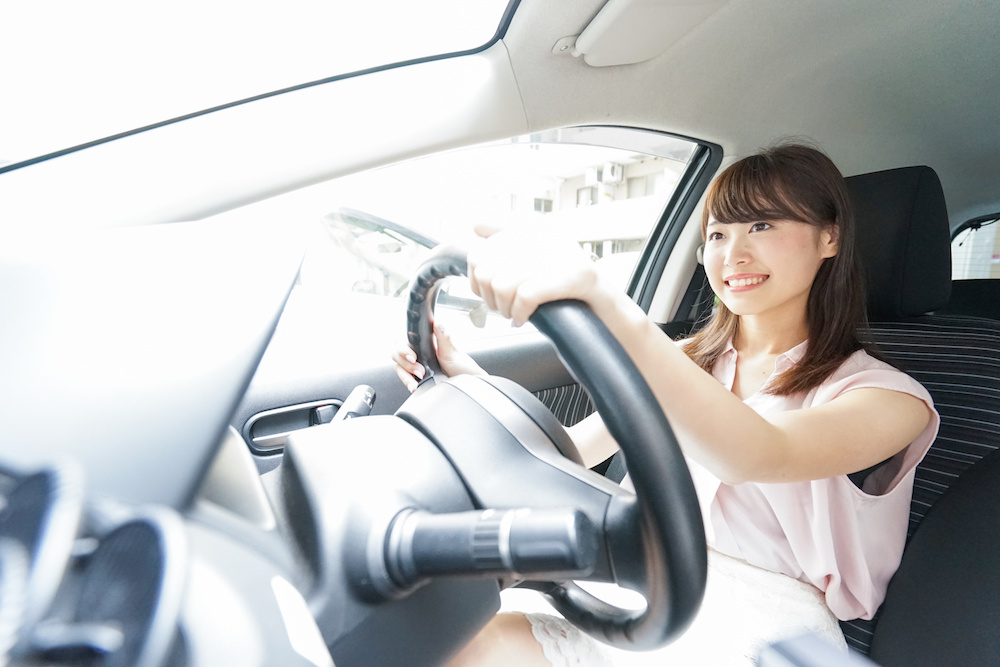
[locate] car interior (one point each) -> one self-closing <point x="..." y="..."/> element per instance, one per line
<point x="207" y="462"/>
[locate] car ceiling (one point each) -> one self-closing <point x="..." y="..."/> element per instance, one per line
<point x="876" y="84"/>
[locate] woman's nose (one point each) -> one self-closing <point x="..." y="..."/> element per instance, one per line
<point x="737" y="252"/>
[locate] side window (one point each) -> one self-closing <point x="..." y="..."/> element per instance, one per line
<point x="975" y="250"/>
<point x="604" y="187"/>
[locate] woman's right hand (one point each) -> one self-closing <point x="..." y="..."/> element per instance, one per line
<point x="452" y="360"/>
<point x="517" y="269"/>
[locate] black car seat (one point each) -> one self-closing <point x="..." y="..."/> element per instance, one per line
<point x="942" y="606"/>
<point x="978" y="297"/>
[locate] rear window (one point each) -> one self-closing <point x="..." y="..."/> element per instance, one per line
<point x="975" y="249"/>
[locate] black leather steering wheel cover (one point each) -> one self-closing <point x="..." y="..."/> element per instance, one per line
<point x="445" y="261"/>
<point x="677" y="560"/>
<point x="675" y="546"/>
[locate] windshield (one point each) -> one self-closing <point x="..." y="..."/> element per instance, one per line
<point x="605" y="188"/>
<point x="82" y="71"/>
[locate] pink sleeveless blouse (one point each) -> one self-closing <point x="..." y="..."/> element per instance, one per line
<point x="843" y="540"/>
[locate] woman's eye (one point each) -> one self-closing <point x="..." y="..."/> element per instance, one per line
<point x="715" y="236"/>
<point x="759" y="226"/>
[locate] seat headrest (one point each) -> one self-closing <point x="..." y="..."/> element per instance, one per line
<point x="903" y="241"/>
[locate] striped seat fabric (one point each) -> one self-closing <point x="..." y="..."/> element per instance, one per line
<point x="569" y="403"/>
<point x="905" y="248"/>
<point x="958" y="360"/>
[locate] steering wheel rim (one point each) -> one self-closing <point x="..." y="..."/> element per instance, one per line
<point x="674" y="543"/>
<point x="424" y="286"/>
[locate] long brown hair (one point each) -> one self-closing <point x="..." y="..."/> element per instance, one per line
<point x="792" y="182"/>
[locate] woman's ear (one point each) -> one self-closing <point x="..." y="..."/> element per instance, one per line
<point x="829" y="238"/>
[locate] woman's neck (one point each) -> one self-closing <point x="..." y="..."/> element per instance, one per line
<point x="757" y="337"/>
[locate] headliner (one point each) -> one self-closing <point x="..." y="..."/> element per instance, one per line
<point x="878" y="84"/>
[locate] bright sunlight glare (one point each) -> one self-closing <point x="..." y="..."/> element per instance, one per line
<point x="79" y="71"/>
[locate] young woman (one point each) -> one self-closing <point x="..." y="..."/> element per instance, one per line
<point x="774" y="402"/>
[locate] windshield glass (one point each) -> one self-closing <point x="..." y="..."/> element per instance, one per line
<point x="605" y="188"/>
<point x="82" y="71"/>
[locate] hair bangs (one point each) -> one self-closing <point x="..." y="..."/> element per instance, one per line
<point x="759" y="188"/>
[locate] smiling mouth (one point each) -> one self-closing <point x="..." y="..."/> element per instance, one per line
<point x="746" y="282"/>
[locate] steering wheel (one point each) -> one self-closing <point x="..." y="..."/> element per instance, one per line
<point x="671" y="537"/>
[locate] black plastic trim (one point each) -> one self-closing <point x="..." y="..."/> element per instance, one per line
<point x="704" y="163"/>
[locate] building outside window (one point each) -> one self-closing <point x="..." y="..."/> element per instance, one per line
<point x="642" y="186"/>
<point x="586" y="196"/>
<point x="543" y="205"/>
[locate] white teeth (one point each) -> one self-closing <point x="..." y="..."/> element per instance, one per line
<point x="745" y="282"/>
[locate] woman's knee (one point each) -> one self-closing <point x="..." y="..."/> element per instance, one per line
<point x="506" y="640"/>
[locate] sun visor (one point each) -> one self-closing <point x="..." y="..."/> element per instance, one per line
<point x="631" y="31"/>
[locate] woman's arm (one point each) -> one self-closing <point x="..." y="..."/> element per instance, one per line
<point x="592" y="440"/>
<point x="514" y="273"/>
<point x="715" y="427"/>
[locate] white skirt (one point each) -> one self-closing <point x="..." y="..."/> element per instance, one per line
<point x="745" y="608"/>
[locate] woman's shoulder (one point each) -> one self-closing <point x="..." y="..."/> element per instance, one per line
<point x="863" y="360"/>
<point x="861" y="369"/>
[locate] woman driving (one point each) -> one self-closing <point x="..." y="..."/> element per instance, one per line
<point x="802" y="445"/>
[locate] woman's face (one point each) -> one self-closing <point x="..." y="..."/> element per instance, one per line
<point x="760" y="268"/>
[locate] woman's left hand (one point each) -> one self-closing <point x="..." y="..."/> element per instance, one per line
<point x="453" y="361"/>
<point x="516" y="270"/>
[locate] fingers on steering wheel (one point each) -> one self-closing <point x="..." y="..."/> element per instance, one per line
<point x="407" y="369"/>
<point x="480" y="281"/>
<point x="408" y="379"/>
<point x="498" y="289"/>
<point x="443" y="344"/>
<point x="505" y="292"/>
<point x="514" y="273"/>
<point x="525" y="301"/>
